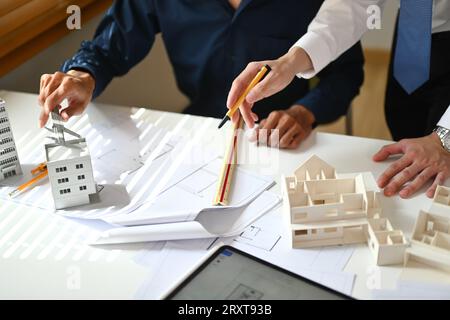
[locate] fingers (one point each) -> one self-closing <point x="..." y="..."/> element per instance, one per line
<point x="405" y="175"/>
<point x="417" y="183"/>
<point x="260" y="91"/>
<point x="293" y="134"/>
<point x="266" y="132"/>
<point x="242" y="81"/>
<point x="247" y="114"/>
<point x="296" y="142"/>
<point x="235" y="117"/>
<point x="254" y="137"/>
<point x="237" y="89"/>
<point x="53" y="100"/>
<point x="284" y="124"/>
<point x="393" y="169"/>
<point x="439" y="180"/>
<point x="72" y="110"/>
<point x="280" y="130"/>
<point x="45" y="78"/>
<point x="50" y="95"/>
<point x="386" y="151"/>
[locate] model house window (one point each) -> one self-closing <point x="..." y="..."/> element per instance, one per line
<point x="83" y="188"/>
<point x="5" y="140"/>
<point x="62" y="169"/>
<point x="81" y="177"/>
<point x="2" y="109"/>
<point x="63" y="180"/>
<point x="64" y="191"/>
<point x="7" y="150"/>
<point x="3" y="120"/>
<point x="7" y="161"/>
<point x="10" y="174"/>
<point x="5" y="130"/>
<point x="79" y="166"/>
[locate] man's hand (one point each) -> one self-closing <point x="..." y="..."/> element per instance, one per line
<point x="283" y="71"/>
<point x="423" y="159"/>
<point x="285" y="128"/>
<point x="75" y="86"/>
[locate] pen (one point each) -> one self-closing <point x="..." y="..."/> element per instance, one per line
<point x="41" y="169"/>
<point x="259" y="76"/>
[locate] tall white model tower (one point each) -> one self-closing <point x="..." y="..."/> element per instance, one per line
<point x="9" y="160"/>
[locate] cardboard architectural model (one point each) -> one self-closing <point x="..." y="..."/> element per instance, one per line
<point x="327" y="209"/>
<point x="9" y="160"/>
<point x="69" y="167"/>
<point x="388" y="246"/>
<point x="430" y="240"/>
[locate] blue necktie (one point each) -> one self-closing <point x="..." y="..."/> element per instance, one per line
<point x="413" y="50"/>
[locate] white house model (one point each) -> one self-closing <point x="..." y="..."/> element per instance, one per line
<point x="430" y="240"/>
<point x="69" y="168"/>
<point x="326" y="209"/>
<point x="9" y="160"/>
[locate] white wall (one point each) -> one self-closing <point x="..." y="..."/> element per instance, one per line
<point x="382" y="39"/>
<point x="151" y="83"/>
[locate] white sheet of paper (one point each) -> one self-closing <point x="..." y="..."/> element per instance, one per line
<point x="414" y="291"/>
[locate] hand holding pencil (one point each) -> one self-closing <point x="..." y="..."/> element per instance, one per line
<point x="241" y="101"/>
<point x="283" y="70"/>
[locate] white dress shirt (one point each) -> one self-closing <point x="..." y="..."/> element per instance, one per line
<point x="339" y="24"/>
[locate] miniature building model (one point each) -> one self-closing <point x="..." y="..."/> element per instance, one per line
<point x="325" y="209"/>
<point x="430" y="241"/>
<point x="69" y="168"/>
<point x="388" y="246"/>
<point x="9" y="160"/>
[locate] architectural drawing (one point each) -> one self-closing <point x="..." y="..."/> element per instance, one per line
<point x="259" y="238"/>
<point x="430" y="240"/>
<point x="69" y="167"/>
<point x="9" y="160"/>
<point x="325" y="209"/>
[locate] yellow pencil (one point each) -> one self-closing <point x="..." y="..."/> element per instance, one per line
<point x="259" y="76"/>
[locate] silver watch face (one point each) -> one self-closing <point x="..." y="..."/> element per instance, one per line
<point x="446" y="142"/>
<point x="444" y="136"/>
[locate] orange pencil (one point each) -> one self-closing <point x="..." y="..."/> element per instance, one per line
<point x="41" y="169"/>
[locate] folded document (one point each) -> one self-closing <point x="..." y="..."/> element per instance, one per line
<point x="205" y="224"/>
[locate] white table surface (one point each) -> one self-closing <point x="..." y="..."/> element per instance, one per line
<point x="107" y="274"/>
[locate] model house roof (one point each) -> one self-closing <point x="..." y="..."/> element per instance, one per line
<point x="315" y="169"/>
<point x="57" y="152"/>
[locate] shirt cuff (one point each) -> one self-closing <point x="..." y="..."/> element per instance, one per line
<point x="445" y="119"/>
<point x="317" y="50"/>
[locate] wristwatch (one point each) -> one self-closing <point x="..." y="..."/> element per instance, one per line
<point x="444" y="136"/>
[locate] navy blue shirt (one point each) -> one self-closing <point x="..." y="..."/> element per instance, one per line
<point x="209" y="44"/>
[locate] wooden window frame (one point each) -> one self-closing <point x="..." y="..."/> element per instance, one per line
<point x="21" y="41"/>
